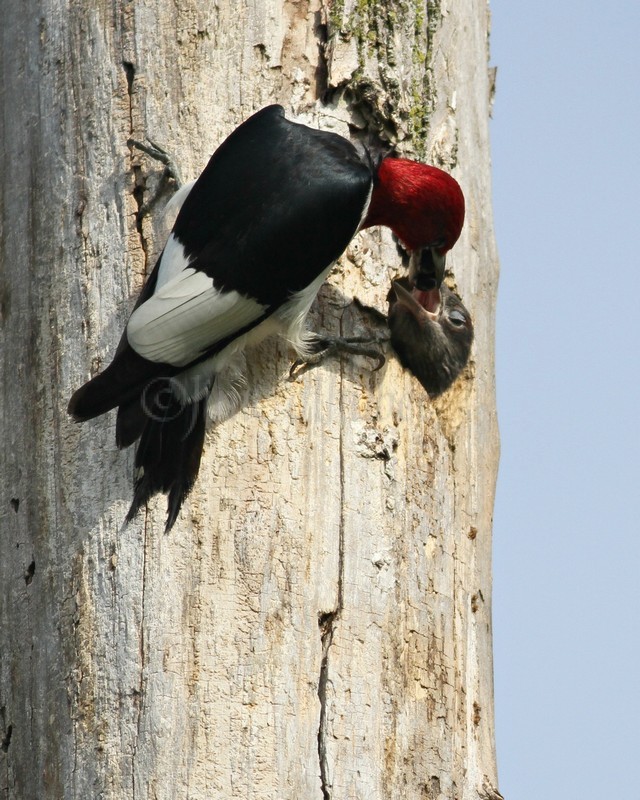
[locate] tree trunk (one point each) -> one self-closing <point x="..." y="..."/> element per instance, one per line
<point x="318" y="623"/>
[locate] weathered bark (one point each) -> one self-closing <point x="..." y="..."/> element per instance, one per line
<point x="318" y="622"/>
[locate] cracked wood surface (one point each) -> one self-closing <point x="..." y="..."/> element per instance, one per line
<point x="318" y="622"/>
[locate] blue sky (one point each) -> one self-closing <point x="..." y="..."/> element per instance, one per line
<point x="566" y="166"/>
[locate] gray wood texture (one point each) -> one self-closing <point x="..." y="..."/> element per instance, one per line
<point x="318" y="623"/>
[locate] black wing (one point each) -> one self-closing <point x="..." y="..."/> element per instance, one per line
<point x="276" y="205"/>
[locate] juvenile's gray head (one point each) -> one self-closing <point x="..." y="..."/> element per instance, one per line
<point x="431" y="332"/>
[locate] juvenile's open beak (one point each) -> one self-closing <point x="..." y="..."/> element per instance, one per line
<point x="422" y="303"/>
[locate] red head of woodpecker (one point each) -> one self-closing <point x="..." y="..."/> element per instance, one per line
<point x="424" y="206"/>
<point x="431" y="332"/>
<point x="255" y="238"/>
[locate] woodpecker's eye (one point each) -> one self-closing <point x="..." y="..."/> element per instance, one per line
<point x="457" y="318"/>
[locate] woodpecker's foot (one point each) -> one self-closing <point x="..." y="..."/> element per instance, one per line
<point x="170" y="172"/>
<point x="154" y="150"/>
<point x="325" y="346"/>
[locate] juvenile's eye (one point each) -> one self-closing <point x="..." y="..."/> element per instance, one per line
<point x="457" y="318"/>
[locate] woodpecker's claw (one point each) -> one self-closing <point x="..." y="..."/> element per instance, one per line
<point x="355" y="345"/>
<point x="169" y="173"/>
<point x="154" y="150"/>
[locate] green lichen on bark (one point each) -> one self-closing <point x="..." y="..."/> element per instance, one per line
<point x="336" y="13"/>
<point x="391" y="87"/>
<point x="428" y="19"/>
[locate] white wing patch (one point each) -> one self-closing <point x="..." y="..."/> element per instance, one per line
<point x="174" y="260"/>
<point x="187" y="315"/>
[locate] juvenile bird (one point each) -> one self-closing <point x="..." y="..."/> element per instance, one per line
<point x="431" y="331"/>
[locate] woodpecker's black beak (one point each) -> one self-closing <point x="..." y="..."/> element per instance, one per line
<point x="426" y="268"/>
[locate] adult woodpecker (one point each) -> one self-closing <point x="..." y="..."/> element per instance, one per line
<point x="430" y="330"/>
<point x="254" y="240"/>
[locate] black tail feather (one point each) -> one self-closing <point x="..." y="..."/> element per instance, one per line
<point x="122" y="382"/>
<point x="190" y="456"/>
<point x="168" y="455"/>
<point x="130" y="422"/>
